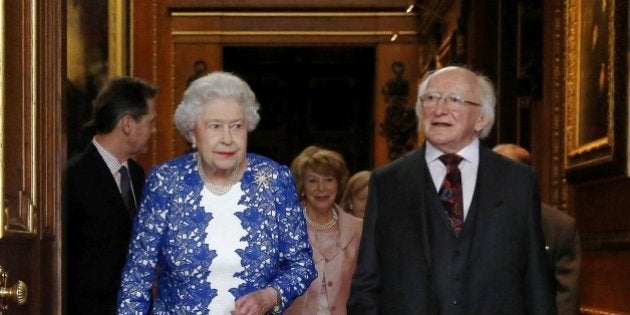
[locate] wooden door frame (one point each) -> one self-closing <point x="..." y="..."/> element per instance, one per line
<point x="30" y="243"/>
<point x="202" y="29"/>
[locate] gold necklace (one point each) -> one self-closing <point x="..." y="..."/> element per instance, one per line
<point x="218" y="190"/>
<point x="322" y="227"/>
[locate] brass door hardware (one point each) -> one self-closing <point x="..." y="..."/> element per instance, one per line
<point x="16" y="293"/>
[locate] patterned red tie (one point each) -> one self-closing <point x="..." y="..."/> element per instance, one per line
<point x="451" y="191"/>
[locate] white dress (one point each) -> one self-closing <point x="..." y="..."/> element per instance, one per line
<point x="224" y="234"/>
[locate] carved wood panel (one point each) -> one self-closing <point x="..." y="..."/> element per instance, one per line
<point x="32" y="150"/>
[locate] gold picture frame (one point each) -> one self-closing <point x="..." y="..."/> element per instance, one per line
<point x="596" y="96"/>
<point x="97" y="48"/>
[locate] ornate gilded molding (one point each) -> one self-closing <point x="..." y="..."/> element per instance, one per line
<point x="33" y="201"/>
<point x="229" y="26"/>
<point x="558" y="183"/>
<point x="23" y="219"/>
<point x="293" y="33"/>
<point x="3" y="211"/>
<point x="294" y="14"/>
<point x="585" y="310"/>
<point x="586" y="152"/>
<point x="117" y="39"/>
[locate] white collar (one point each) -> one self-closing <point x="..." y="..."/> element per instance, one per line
<point x="470" y="152"/>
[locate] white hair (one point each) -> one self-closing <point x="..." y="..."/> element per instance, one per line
<point x="217" y="85"/>
<point x="485" y="92"/>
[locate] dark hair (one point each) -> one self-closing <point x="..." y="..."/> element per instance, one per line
<point x="121" y="96"/>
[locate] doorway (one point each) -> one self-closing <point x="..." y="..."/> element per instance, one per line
<point x="309" y="95"/>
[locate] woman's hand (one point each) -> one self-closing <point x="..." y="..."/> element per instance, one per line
<point x="256" y="303"/>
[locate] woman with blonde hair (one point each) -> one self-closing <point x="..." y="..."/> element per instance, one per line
<point x="334" y="235"/>
<point x="354" y="196"/>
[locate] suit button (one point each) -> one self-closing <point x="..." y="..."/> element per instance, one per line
<point x="330" y="283"/>
<point x="455" y="302"/>
<point x="456" y="277"/>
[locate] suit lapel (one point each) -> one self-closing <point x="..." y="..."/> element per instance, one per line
<point x="416" y="170"/>
<point x="490" y="178"/>
<point x="105" y="179"/>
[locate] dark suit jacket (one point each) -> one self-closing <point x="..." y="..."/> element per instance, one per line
<point x="507" y="269"/>
<point x="564" y="253"/>
<point x="98" y="232"/>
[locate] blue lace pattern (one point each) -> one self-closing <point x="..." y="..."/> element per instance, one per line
<point x="167" y="243"/>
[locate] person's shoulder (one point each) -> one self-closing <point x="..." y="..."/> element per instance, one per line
<point x="349" y="221"/>
<point x="135" y="166"/>
<point x="348" y="217"/>
<point x="183" y="163"/>
<point x="552" y="214"/>
<point x="403" y="164"/>
<point x="500" y="162"/>
<point x="84" y="162"/>
<point x="81" y="156"/>
<point x="257" y="161"/>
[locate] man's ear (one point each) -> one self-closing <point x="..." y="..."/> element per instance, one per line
<point x="481" y="123"/>
<point x="125" y="124"/>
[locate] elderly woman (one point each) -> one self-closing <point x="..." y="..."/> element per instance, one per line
<point x="334" y="234"/>
<point x="224" y="227"/>
<point x="354" y="196"/>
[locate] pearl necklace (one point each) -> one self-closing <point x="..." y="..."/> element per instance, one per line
<point x="218" y="190"/>
<point x="322" y="227"/>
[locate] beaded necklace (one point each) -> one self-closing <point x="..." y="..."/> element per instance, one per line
<point x="218" y="190"/>
<point x="322" y="227"/>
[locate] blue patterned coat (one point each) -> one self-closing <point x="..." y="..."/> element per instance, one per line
<point x="169" y="234"/>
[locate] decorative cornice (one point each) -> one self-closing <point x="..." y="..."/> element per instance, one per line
<point x="292" y="33"/>
<point x="333" y="24"/>
<point x="293" y="14"/>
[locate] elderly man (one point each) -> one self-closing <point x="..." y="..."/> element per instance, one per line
<point x="452" y="227"/>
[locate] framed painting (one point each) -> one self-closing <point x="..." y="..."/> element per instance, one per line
<point x="596" y="92"/>
<point x="97" y="43"/>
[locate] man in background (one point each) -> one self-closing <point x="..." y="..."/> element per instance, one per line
<point x="561" y="239"/>
<point x="103" y="188"/>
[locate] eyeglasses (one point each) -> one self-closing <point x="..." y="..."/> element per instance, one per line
<point x="453" y="101"/>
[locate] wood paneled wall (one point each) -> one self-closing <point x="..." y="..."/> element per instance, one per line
<point x="32" y="154"/>
<point x="600" y="205"/>
<point x="168" y="37"/>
